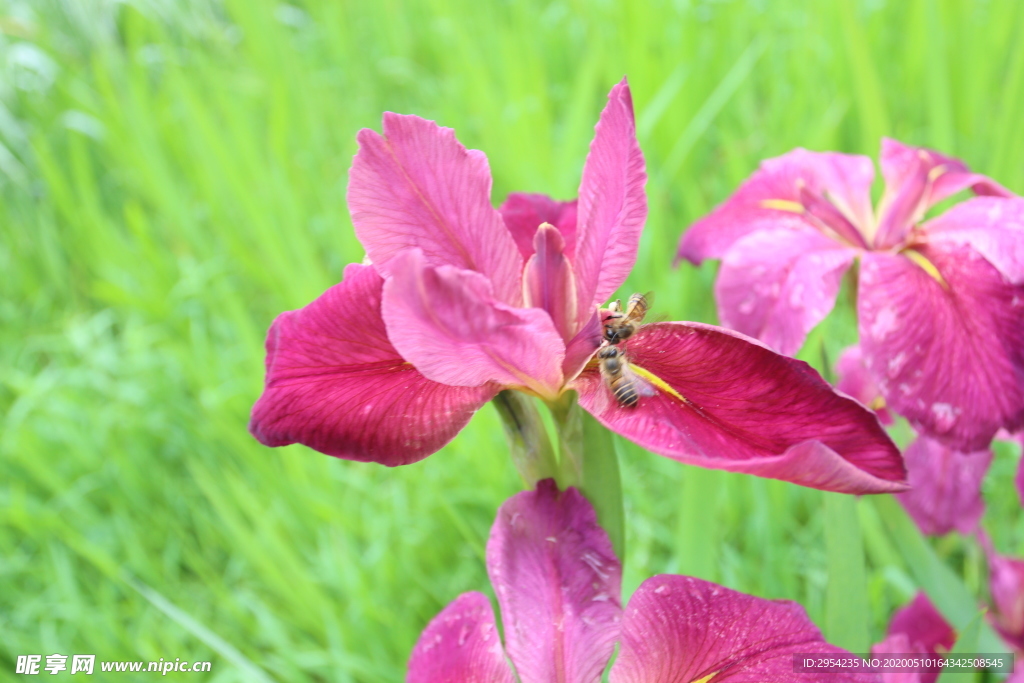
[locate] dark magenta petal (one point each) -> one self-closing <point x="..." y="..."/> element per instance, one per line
<point x="945" y="487"/>
<point x="446" y="322"/>
<point x="417" y="186"/>
<point x="582" y="347"/>
<point x="776" y="285"/>
<point x="992" y="226"/>
<point x="558" y="584"/>
<point x="524" y="212"/>
<point x="460" y="645"/>
<point x="775" y="195"/>
<point x="336" y="384"/>
<point x="679" y="629"/>
<point x="943" y="335"/>
<point x="854" y="379"/>
<point x="612" y="204"/>
<point x="727" y="402"/>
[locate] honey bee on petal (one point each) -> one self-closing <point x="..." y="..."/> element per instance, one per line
<point x="625" y="385"/>
<point x="619" y="325"/>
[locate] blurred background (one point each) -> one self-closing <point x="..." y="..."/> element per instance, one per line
<point x="173" y="175"/>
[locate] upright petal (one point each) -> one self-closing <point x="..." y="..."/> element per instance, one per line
<point x="612" y="204"/>
<point x="992" y="226"/>
<point x="558" y="583"/>
<point x="549" y="282"/>
<point x="336" y="384"/>
<point x="460" y="645"/>
<point x="945" y="487"/>
<point x="917" y="178"/>
<point x="678" y="629"/>
<point x="777" y="284"/>
<point x="417" y="186"/>
<point x="524" y="213"/>
<point x="943" y="334"/>
<point x="853" y="379"/>
<point x="723" y="401"/>
<point x="786" y="193"/>
<point x="446" y="322"/>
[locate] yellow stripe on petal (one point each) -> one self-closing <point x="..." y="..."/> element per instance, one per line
<point x="706" y="678"/>
<point x="926" y="265"/>
<point x="658" y="382"/>
<point x="783" y="205"/>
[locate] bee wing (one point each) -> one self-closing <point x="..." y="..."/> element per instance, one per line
<point x="638" y="306"/>
<point x="643" y="387"/>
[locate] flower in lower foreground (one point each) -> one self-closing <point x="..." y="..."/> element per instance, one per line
<point x="916" y="629"/>
<point x="940" y="303"/>
<point x="945" y="484"/>
<point x="558" y="583"/>
<point x="1006" y="586"/>
<point x="462" y="300"/>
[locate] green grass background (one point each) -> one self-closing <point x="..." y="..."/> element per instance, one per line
<point x="173" y="175"/>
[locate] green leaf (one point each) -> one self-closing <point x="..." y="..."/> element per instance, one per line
<point x="698" y="540"/>
<point x="846" y="596"/>
<point x="943" y="586"/>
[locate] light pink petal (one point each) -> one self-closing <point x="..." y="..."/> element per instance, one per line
<point x="776" y="285"/>
<point x="549" y="282"/>
<point x="917" y="178"/>
<point x="800" y="189"/>
<point x="948" y="356"/>
<point x="612" y="204"/>
<point x="1006" y="585"/>
<point x="727" y="402"/>
<point x="558" y="584"/>
<point x="945" y="487"/>
<point x="417" y="186"/>
<point x="678" y="629"/>
<point x="525" y="212"/>
<point x="336" y="384"/>
<point x="923" y="626"/>
<point x="445" y="322"/>
<point x="460" y="645"/>
<point x="992" y="226"/>
<point x="853" y="379"/>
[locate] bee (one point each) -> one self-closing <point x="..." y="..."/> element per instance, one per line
<point x="624" y="384"/>
<point x="619" y="325"/>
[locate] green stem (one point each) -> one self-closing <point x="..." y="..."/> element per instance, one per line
<point x="588" y="461"/>
<point x="846" y="596"/>
<point x="528" y="442"/>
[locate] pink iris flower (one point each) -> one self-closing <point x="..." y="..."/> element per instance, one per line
<point x="920" y="629"/>
<point x="460" y="300"/>
<point x="940" y="302"/>
<point x="1006" y="587"/>
<point x="558" y="584"/>
<point x="945" y="484"/>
